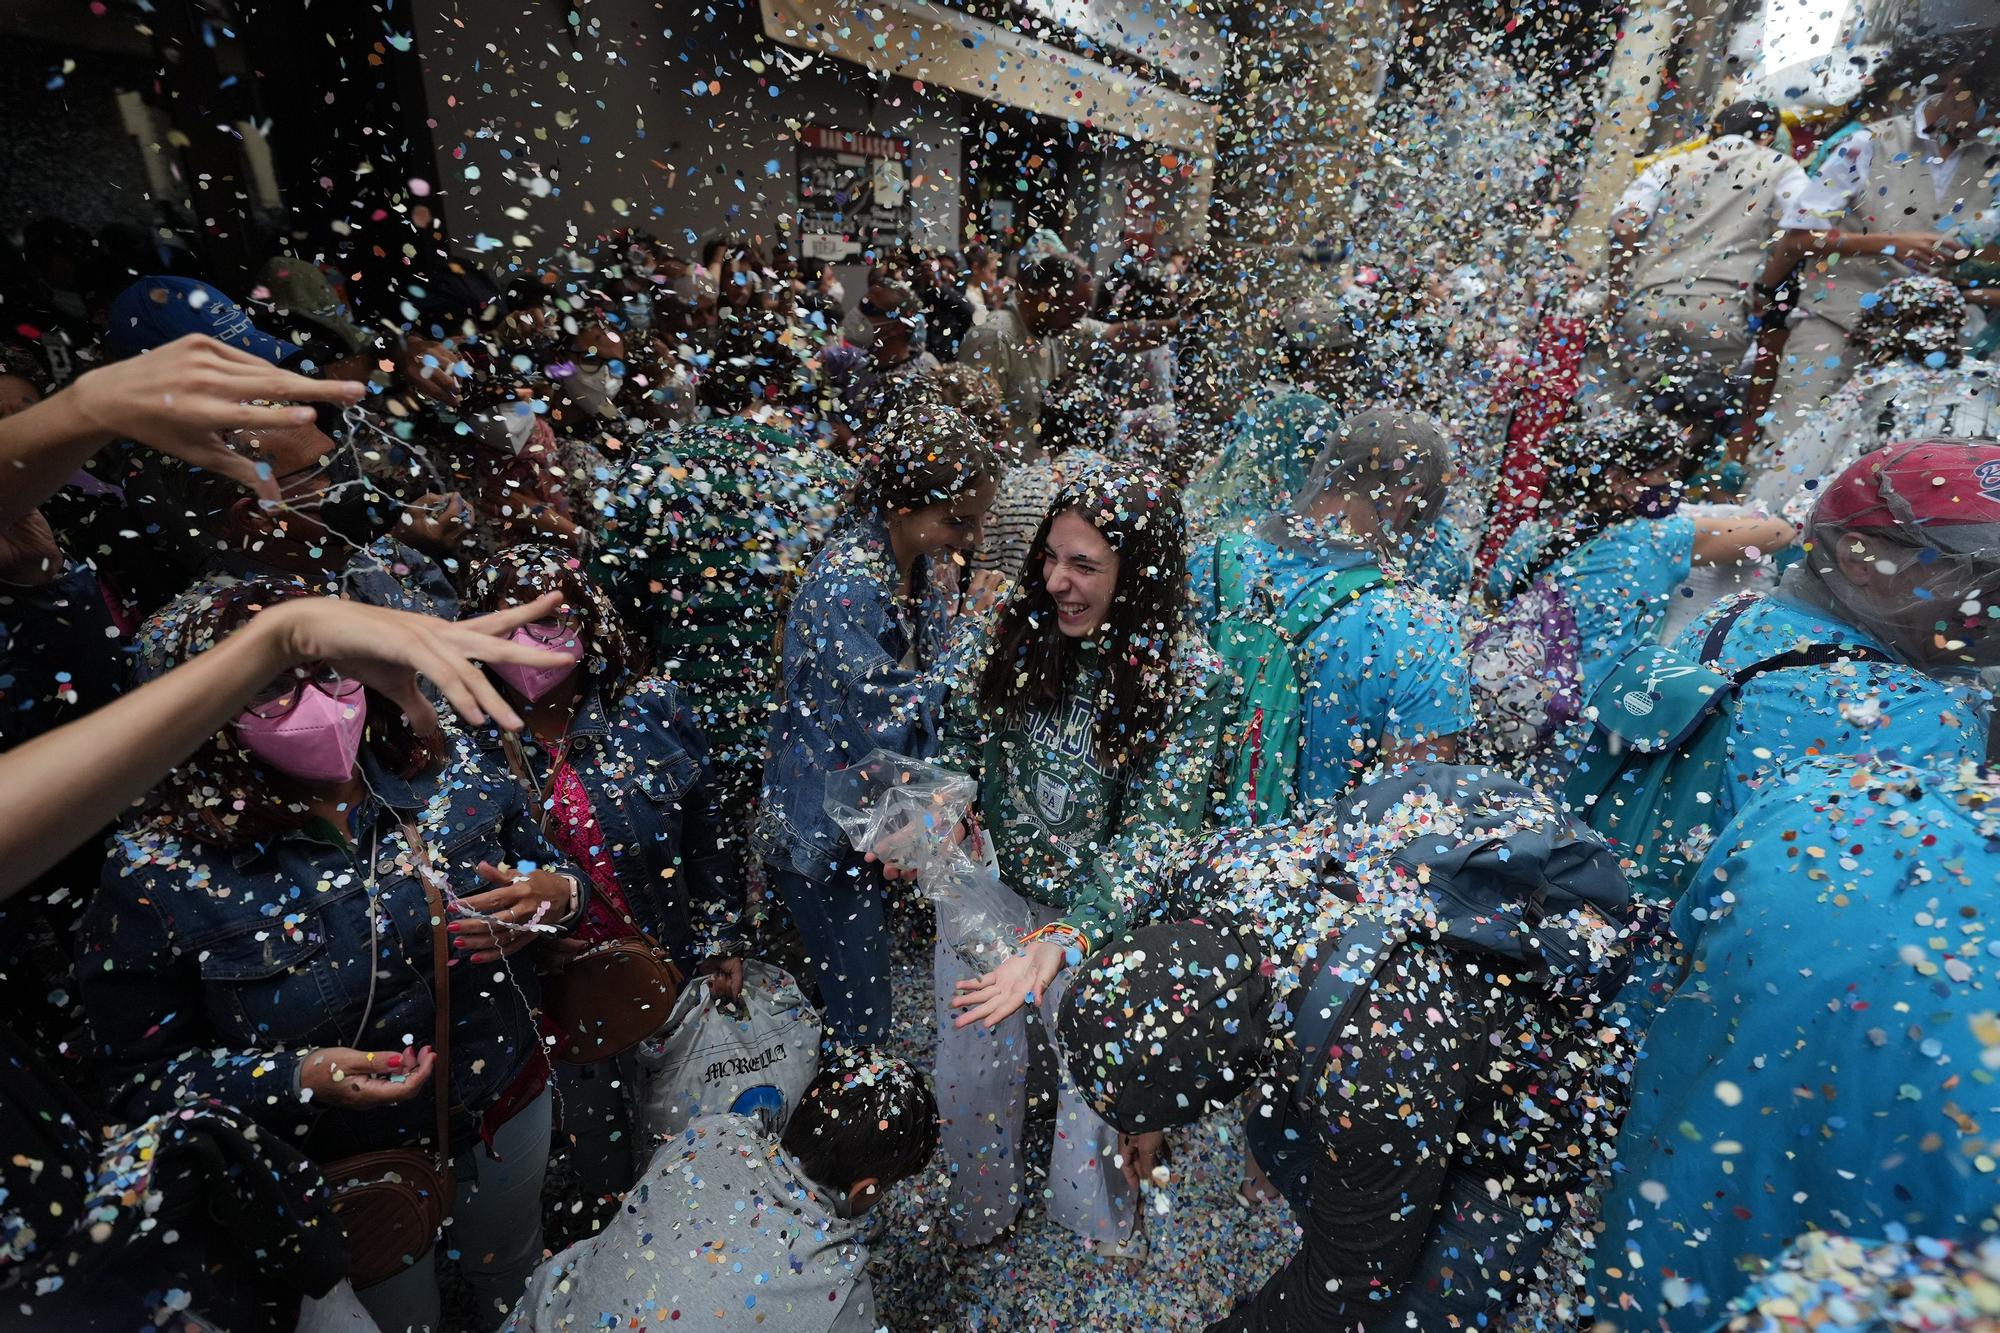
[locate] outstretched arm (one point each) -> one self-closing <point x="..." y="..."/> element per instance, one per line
<point x="180" y="399"/>
<point x="1728" y="539"/>
<point x="1772" y="300"/>
<point x="61" y="787"/>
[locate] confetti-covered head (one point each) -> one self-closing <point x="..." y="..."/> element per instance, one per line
<point x="523" y="573"/>
<point x="222" y="795"/>
<point x="1753" y="118"/>
<point x="889" y="322"/>
<point x="1626" y="461"/>
<point x="154" y="311"/>
<point x="1106" y="574"/>
<point x="926" y="454"/>
<point x="1920" y="319"/>
<point x="1316" y="337"/>
<point x="758" y="359"/>
<point x="1265" y="464"/>
<point x="299" y="295"/>
<point x="1905" y="544"/>
<point x="1707" y="403"/>
<point x="1054" y="293"/>
<point x="966" y="388"/>
<point x="1077" y="413"/>
<point x="865" y="1116"/>
<point x="1169" y="1024"/>
<point x="1382" y="473"/>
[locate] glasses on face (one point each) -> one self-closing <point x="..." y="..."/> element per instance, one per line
<point x="283" y="695"/>
<point x="564" y="624"/>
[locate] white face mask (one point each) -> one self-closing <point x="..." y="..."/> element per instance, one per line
<point x="509" y="427"/>
<point x="594" y="389"/>
<point x="838" y="293"/>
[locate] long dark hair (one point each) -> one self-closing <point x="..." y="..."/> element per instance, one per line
<point x="1139" y="513"/>
<point x="220" y="795"/>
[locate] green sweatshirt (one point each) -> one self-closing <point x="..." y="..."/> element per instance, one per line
<point x="1070" y="835"/>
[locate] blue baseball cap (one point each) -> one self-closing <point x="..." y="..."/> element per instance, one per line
<point x="152" y="312"/>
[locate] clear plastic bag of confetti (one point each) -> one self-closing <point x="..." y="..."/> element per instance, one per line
<point x="912" y="815"/>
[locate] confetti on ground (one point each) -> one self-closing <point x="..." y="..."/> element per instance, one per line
<point x="1207" y="1249"/>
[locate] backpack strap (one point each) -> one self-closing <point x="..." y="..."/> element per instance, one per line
<point x="1323" y="596"/>
<point x="1812" y="654"/>
<point x="1340" y="971"/>
<point x="1282" y="1140"/>
<point x="1232" y="583"/>
<point x="1718" y="633"/>
<point x="1307" y="611"/>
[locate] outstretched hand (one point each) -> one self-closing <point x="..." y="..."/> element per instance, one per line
<point x="388" y="650"/>
<point x="183" y="399"/>
<point x="994" y="998"/>
<point x="358" y="1080"/>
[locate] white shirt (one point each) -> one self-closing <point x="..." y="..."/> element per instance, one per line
<point x="1848" y="168"/>
<point x="1022" y="367"/>
<point x="1796" y="205"/>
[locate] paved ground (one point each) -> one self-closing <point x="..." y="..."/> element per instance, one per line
<point x="1206" y="1247"/>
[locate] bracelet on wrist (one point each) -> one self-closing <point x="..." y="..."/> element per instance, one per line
<point x="1060" y="932"/>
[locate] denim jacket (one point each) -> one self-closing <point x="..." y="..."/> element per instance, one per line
<point x="846" y="690"/>
<point x="213" y="971"/>
<point x="646" y="771"/>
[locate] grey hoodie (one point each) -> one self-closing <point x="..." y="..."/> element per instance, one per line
<point x="724" y="1229"/>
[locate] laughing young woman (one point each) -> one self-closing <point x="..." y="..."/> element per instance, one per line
<point x="1093" y="732"/>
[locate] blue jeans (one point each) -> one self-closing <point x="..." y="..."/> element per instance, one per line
<point x="843" y="920"/>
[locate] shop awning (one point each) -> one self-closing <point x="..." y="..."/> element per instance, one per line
<point x="929" y="43"/>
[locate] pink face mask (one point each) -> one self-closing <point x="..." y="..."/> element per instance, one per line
<point x="532" y="682"/>
<point x="317" y="739"/>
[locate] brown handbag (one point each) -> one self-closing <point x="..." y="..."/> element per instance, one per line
<point x="613" y="996"/>
<point x="393" y="1203"/>
<point x="609" y="999"/>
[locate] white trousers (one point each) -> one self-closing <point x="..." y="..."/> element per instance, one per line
<point x="495" y="1226"/>
<point x="982" y="1093"/>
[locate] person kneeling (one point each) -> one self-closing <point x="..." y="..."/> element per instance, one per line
<point x="745" y="1226"/>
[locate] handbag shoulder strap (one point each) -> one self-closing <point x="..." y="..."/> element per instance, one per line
<point x="440" y="991"/>
<point x="517" y="764"/>
<point x="517" y="761"/>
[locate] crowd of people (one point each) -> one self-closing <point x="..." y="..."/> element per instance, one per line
<point x="1528" y="791"/>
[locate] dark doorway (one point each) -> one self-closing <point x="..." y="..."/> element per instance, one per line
<point x="1023" y="171"/>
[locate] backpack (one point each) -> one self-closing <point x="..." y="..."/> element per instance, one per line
<point x="1649" y="779"/>
<point x="1259" y="640"/>
<point x="1526" y="684"/>
<point x="1509" y="881"/>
